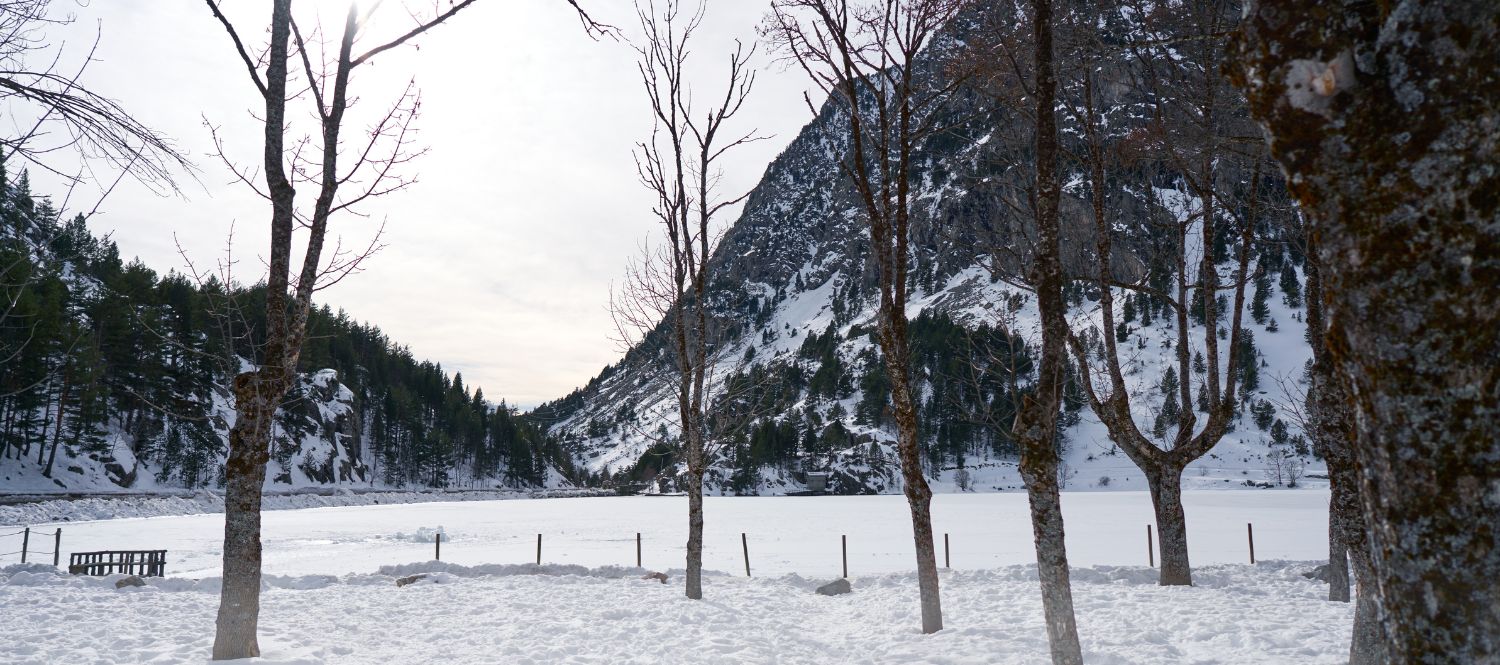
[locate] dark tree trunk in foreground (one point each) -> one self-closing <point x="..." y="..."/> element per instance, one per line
<point x="1165" y="484"/>
<point x="1385" y="117"/>
<point x="1036" y="421"/>
<point x="1332" y="432"/>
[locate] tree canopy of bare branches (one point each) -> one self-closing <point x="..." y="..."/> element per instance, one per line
<point x="667" y="284"/>
<point x="59" y="115"/>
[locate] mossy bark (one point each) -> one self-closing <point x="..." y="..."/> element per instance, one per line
<point x="1386" y="117"/>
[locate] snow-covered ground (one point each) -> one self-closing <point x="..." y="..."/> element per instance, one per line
<point x="107" y="507"/>
<point x="1236" y="614"/>
<point x="785" y="534"/>
<point x="331" y="596"/>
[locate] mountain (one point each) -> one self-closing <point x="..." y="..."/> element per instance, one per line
<point x="799" y="384"/>
<point x="112" y="377"/>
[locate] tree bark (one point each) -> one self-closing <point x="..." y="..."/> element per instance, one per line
<point x="62" y="400"/>
<point x="1384" y="115"/>
<point x="1332" y="432"/>
<point x="695" y="535"/>
<point x="918" y="493"/>
<point x="1165" y="483"/>
<point x="245" y="476"/>
<point x="1036" y="423"/>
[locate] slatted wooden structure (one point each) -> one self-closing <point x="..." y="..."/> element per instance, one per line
<point x="146" y="563"/>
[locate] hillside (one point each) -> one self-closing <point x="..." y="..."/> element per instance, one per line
<point x="799" y="383"/>
<point x="115" y="377"/>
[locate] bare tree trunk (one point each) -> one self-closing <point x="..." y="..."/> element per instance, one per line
<point x="1368" y="644"/>
<point x="62" y="400"/>
<point x="695" y="535"/>
<point x="1036" y="422"/>
<point x="1165" y="483"/>
<point x="245" y="476"/>
<point x="1333" y="434"/>
<point x="918" y="493"/>
<point x="1384" y="116"/>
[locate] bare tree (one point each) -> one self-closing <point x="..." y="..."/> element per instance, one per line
<point x="1383" y="116"/>
<point x="1036" y="419"/>
<point x="374" y="171"/>
<point x="862" y="55"/>
<point x="680" y="164"/>
<point x="1190" y="133"/>
<point x="62" y="116"/>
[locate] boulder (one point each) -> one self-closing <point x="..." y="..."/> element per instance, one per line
<point x="1320" y="573"/>
<point x="834" y="588"/>
<point x="410" y="579"/>
<point x="132" y="580"/>
<point x="661" y="577"/>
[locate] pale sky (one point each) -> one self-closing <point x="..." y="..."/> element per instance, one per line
<point x="499" y="260"/>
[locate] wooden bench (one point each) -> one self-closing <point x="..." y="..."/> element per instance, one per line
<point x="146" y="563"/>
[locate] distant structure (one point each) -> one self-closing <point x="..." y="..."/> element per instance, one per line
<point x="817" y="482"/>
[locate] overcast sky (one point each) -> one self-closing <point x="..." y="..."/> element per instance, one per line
<point x="499" y="260"/>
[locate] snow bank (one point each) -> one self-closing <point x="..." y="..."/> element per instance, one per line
<point x="1265" y="613"/>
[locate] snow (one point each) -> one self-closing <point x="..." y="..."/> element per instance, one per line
<point x="1238" y="614"/>
<point x="203" y="501"/>
<point x="329" y="593"/>
<point x="785" y="534"/>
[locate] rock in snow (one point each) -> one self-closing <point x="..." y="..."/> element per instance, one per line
<point x="835" y="588"/>
<point x="132" y="580"/>
<point x="410" y="579"/>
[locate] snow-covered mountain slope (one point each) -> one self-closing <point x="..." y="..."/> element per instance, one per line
<point x="793" y="284"/>
<point x="316" y="441"/>
<point x="115" y="378"/>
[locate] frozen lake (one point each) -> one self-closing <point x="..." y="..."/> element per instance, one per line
<point x="785" y="534"/>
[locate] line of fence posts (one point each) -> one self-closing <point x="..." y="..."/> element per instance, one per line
<point x="744" y="546"/>
<point x="25" y="550"/>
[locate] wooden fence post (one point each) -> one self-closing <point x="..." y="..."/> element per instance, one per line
<point x="947" y="560"/>
<point x="1250" y="533"/>
<point x="56" y="546"/>
<point x="844" y="541"/>
<point x="745" y="544"/>
<point x="1150" y="548"/>
<point x="437" y="546"/>
<point x="637" y="549"/>
<point x="25" y="542"/>
<point x="539" y="549"/>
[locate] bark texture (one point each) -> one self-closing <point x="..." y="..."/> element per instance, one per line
<point x="1036" y="422"/>
<point x="1386" y="117"/>
<point x="1331" y="427"/>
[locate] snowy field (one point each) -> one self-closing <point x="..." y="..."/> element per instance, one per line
<point x="329" y="600"/>
<point x="785" y="534"/>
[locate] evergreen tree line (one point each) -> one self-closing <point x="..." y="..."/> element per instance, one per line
<point x="101" y="356"/>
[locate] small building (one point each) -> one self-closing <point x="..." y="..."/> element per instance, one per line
<point x="817" y="481"/>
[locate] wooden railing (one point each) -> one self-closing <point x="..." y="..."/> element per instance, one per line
<point x="147" y="563"/>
